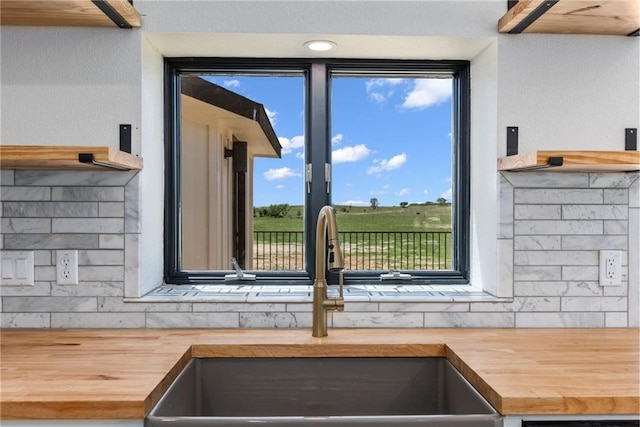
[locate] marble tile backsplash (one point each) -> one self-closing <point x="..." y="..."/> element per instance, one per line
<point x="550" y="229"/>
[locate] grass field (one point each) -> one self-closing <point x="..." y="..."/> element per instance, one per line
<point x="413" y="238"/>
<point x="393" y="218"/>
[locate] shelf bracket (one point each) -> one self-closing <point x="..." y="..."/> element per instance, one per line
<point x="553" y="162"/>
<point x="111" y="13"/>
<point x="88" y="158"/>
<point x="533" y="16"/>
<point x="631" y="139"/>
<point x="512" y="140"/>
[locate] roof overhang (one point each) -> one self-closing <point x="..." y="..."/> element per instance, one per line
<point x="205" y="102"/>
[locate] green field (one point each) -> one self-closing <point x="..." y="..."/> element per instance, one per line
<point x="384" y="218"/>
<point x="417" y="237"/>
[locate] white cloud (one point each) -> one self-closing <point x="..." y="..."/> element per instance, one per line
<point x="354" y="203"/>
<point x="376" y="83"/>
<point x="272" y="115"/>
<point x="403" y="192"/>
<point x="232" y="83"/>
<point x="337" y="139"/>
<point x="428" y="92"/>
<point x="447" y="195"/>
<point x="288" y="145"/>
<point x="280" y="173"/>
<point x="350" y="154"/>
<point x="387" y="165"/>
<point x="279" y="187"/>
<point x="379" y="90"/>
<point x="425" y="192"/>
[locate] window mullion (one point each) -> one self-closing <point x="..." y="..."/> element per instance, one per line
<point x="316" y="154"/>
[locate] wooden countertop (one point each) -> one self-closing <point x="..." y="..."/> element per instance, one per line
<point x="120" y="374"/>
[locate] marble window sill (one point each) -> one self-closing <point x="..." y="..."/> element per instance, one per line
<point x="297" y="293"/>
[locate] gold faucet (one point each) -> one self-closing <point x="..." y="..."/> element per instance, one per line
<point x="326" y="224"/>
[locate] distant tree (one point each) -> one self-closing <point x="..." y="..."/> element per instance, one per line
<point x="278" y="211"/>
<point x="441" y="200"/>
<point x="374" y="202"/>
<point x="404" y="204"/>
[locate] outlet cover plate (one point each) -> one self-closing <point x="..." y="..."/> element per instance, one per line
<point x="610" y="268"/>
<point x="17" y="268"/>
<point x="67" y="266"/>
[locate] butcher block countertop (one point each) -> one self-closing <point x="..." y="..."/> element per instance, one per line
<point x="121" y="374"/>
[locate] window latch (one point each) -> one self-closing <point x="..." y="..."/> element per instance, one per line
<point x="307" y="176"/>
<point x="395" y="275"/>
<point x="327" y="176"/>
<point x="239" y="275"/>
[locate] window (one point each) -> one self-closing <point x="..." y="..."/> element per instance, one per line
<point x="255" y="148"/>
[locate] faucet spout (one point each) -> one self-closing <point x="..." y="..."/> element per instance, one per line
<point x="326" y="232"/>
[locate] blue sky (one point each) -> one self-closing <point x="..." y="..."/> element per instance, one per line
<point x="391" y="139"/>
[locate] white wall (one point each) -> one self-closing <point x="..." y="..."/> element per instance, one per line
<point x="76" y="85"/>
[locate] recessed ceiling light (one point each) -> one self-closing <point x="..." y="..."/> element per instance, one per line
<point x="320" y="45"/>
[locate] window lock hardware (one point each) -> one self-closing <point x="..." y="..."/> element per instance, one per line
<point x="327" y="176"/>
<point x="239" y="274"/>
<point x="307" y="176"/>
<point x="395" y="275"/>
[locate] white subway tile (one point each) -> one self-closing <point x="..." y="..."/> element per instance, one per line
<point x="554" y="227"/>
<point x="540" y="273"/>
<point x="87" y="225"/>
<point x="276" y="320"/>
<point x="616" y="196"/>
<point x="378" y="320"/>
<point x="101" y="273"/>
<point x="26" y="225"/>
<point x="612" y="179"/>
<point x="89" y="289"/>
<point x="25" y="320"/>
<point x="421" y="307"/>
<point x="561" y="288"/>
<point x="505" y="209"/>
<point x="562" y="258"/>
<point x="559" y="320"/>
<point x="578" y="274"/>
<point x="39" y="289"/>
<point x="547" y="179"/>
<point x="118" y="304"/>
<point x="25" y="193"/>
<point x="111" y="241"/>
<point x="73" y="177"/>
<point x="97" y="320"/>
<point x="558" y="196"/>
<point x="537" y="212"/>
<point x="599" y="304"/>
<point x="223" y="307"/>
<point x="192" y="320"/>
<point x="468" y="320"/>
<point x="533" y="243"/>
<point x="595" y="212"/>
<point x="48" y="304"/>
<point x="616" y="242"/>
<point x="616" y="320"/>
<point x="616" y="227"/>
<point x="111" y="209"/>
<point x="88" y="194"/>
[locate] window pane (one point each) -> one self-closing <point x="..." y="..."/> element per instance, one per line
<point x="242" y="139"/>
<point x="392" y="162"/>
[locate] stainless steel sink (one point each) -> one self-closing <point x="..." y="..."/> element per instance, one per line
<point x="313" y="392"/>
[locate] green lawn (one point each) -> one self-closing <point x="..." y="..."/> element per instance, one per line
<point x="398" y="238"/>
<point x="412" y="218"/>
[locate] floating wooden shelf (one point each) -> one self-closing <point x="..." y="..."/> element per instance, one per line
<point x="66" y="157"/>
<point x="572" y="161"/>
<point x="613" y="17"/>
<point x="81" y="13"/>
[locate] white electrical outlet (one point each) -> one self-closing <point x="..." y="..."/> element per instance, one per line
<point x="67" y="267"/>
<point x="610" y="268"/>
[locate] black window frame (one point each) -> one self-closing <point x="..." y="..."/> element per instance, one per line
<point x="317" y="74"/>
